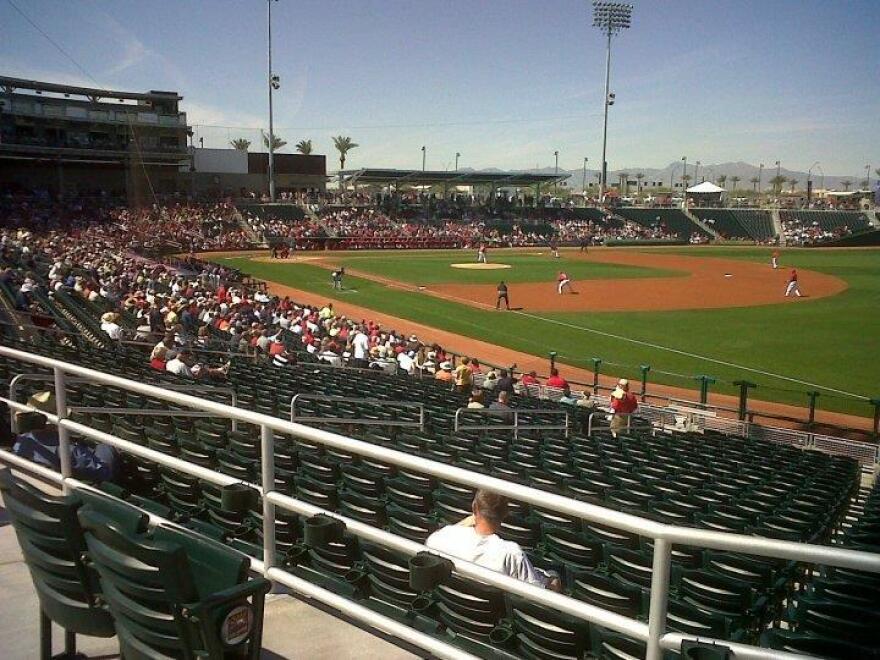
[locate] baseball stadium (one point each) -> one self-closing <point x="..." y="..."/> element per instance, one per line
<point x="253" y="405"/>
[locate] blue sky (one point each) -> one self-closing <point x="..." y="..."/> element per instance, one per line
<point x="505" y="83"/>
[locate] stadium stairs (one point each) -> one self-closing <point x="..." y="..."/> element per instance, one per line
<point x="702" y="225"/>
<point x="777" y="227"/>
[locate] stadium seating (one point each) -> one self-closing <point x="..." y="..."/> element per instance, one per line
<point x="738" y="223"/>
<point x="673" y="219"/>
<point x="828" y="220"/>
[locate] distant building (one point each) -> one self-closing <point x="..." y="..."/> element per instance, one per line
<point x="233" y="171"/>
<point x="69" y="139"/>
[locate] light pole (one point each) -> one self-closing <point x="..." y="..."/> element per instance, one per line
<point x="777" y="178"/>
<point x="274" y="83"/>
<point x="760" y="178"/>
<point x="556" y="171"/>
<point x="423" y="158"/>
<point x="585" y="180"/>
<point x="810" y="182"/>
<point x="611" y="18"/>
<point x="684" y="171"/>
<point x="868" y="176"/>
<point x="696" y="172"/>
<point x="456" y="160"/>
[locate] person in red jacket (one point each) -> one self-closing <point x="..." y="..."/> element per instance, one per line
<point x="624" y="404"/>
<point x="556" y="380"/>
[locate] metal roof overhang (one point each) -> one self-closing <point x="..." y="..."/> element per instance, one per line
<point x="36" y="85"/>
<point x="374" y="176"/>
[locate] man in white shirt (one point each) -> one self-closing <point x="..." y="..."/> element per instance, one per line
<point x="360" y="346"/>
<point x="475" y="539"/>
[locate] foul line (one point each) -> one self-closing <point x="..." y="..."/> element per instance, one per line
<point x="686" y="354"/>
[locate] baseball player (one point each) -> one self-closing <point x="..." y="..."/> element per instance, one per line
<point x="502" y="295"/>
<point x="555" y="249"/>
<point x="774" y="259"/>
<point x="337" y="278"/>
<point x="481" y="255"/>
<point x="792" y="287"/>
<point x="564" y="282"/>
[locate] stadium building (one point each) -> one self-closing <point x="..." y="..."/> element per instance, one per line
<point x="68" y="139"/>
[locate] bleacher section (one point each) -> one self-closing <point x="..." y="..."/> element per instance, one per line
<point x="708" y="481"/>
<point x="743" y="224"/>
<point x="855" y="221"/>
<point x="675" y="220"/>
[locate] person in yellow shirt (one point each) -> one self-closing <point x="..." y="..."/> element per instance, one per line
<point x="464" y="377"/>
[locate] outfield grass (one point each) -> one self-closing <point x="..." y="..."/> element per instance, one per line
<point x="829" y="343"/>
<point x="434" y="267"/>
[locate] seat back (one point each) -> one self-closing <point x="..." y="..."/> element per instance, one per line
<point x="174" y="594"/>
<point x="53" y="544"/>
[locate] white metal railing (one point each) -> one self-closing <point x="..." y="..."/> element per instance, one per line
<point x="664" y="536"/>
<point x="382" y="403"/>
<point x="515" y="414"/>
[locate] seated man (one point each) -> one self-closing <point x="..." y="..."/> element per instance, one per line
<point x="38" y="442"/>
<point x="476" y="539"/>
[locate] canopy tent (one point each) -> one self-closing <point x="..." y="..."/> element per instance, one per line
<point x="705" y="188"/>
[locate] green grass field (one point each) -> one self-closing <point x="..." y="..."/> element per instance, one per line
<point x="433" y="267"/>
<point x="828" y="344"/>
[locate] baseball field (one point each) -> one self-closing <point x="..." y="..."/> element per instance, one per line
<point x="687" y="311"/>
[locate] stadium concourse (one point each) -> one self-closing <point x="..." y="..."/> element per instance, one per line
<point x="195" y="505"/>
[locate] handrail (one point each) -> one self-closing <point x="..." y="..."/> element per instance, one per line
<point x="516" y="426"/>
<point x="356" y="420"/>
<point x="664" y="535"/>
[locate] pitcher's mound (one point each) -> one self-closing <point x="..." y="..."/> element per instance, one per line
<point x="473" y="266"/>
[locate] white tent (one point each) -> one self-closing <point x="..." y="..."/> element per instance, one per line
<point x="705" y="188"/>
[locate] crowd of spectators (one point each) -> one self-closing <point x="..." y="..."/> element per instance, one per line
<point x="801" y="233"/>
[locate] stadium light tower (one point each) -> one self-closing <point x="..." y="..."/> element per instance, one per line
<point x="611" y="18"/>
<point x="274" y="83"/>
<point x="457" y="156"/>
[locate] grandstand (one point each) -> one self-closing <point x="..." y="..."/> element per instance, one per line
<point x="603" y="512"/>
<point x="739" y="223"/>
<point x="821" y="226"/>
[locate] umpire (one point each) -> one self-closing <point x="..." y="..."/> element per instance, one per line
<point x="502" y="295"/>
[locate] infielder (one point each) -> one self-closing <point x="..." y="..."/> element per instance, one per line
<point x="502" y="295"/>
<point x="774" y="259"/>
<point x="481" y="255"/>
<point x="792" y="287"/>
<point x="336" y="278"/>
<point x="555" y="249"/>
<point x="564" y="282"/>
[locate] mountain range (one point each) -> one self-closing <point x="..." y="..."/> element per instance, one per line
<point x="708" y="172"/>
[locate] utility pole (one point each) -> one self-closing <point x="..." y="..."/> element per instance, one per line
<point x="585" y="180"/>
<point x="423" y="158"/>
<point x="760" y="178"/>
<point x="684" y="171"/>
<point x="556" y="171"/>
<point x="274" y="83"/>
<point x="456" y="160"/>
<point x="611" y="18"/>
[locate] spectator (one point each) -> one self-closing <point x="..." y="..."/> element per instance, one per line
<point x="490" y="382"/>
<point x="38" y="442"/>
<point x="476" y="399"/>
<point x="556" y="380"/>
<point x="110" y="326"/>
<point x="505" y="382"/>
<point x="159" y="357"/>
<point x="444" y="373"/>
<point x="624" y="404"/>
<point x="476" y="539"/>
<point x="464" y="376"/>
<point x="502" y="408"/>
<point x="566" y="397"/>
<point x="530" y="378"/>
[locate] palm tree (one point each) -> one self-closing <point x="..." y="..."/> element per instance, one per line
<point x="639" y="177"/>
<point x="623" y="177"/>
<point x="343" y="145"/>
<point x="304" y="147"/>
<point x="846" y="183"/>
<point x="722" y="179"/>
<point x="792" y="183"/>
<point x="241" y="144"/>
<point x="777" y="182"/>
<point x="733" y="181"/>
<point x="277" y="142"/>
<point x="754" y="181"/>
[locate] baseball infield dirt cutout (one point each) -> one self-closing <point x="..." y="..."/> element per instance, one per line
<point x="472" y="266"/>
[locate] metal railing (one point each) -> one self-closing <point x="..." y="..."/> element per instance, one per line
<point x="653" y="634"/>
<point x="514" y="413"/>
<point x="365" y="421"/>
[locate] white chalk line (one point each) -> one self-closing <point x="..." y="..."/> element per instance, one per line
<point x="690" y="355"/>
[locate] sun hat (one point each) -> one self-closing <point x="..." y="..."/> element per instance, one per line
<point x="446" y="366"/>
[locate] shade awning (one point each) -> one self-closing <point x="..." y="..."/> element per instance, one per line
<point x="707" y="187"/>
